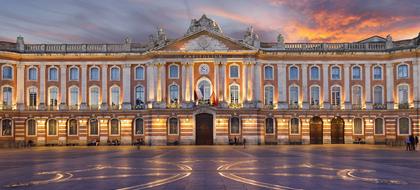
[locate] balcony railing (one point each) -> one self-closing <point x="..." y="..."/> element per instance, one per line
<point x="115" y="107"/>
<point x="404" y="106"/>
<point x="269" y="106"/>
<point x="336" y="107"/>
<point x="52" y="107"/>
<point x="73" y="107"/>
<point x="379" y="106"/>
<point x="202" y="102"/>
<point x="293" y="106"/>
<point x="173" y="105"/>
<point x="6" y="107"/>
<point x="94" y="107"/>
<point x="356" y="106"/>
<point x="139" y="107"/>
<point x="235" y="105"/>
<point x="314" y="106"/>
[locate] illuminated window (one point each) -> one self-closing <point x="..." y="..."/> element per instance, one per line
<point x="268" y="95"/>
<point x="6" y="127"/>
<point x="138" y="126"/>
<point x="234" y="94"/>
<point x="315" y="95"/>
<point x="234" y="125"/>
<point x="72" y="127"/>
<point x="294" y="126"/>
<point x="93" y="126"/>
<point x="336" y="96"/>
<point x="269" y="125"/>
<point x="31" y="127"/>
<point x="173" y="126"/>
<point x="52" y="127"/>
<point x="358" y="126"/>
<point x="173" y="94"/>
<point x="115" y="96"/>
<point x="140" y="96"/>
<point x="7" y="96"/>
<point x="379" y="126"/>
<point x="115" y="127"/>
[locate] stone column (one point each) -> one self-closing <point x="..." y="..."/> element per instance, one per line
<point x="250" y="81"/>
<point x="389" y="86"/>
<point x="347" y="102"/>
<point x="20" y="87"/>
<point x="282" y="88"/>
<point x="104" y="69"/>
<point x="216" y="79"/>
<point x="63" y="90"/>
<point x="41" y="87"/>
<point x="244" y="86"/>
<point x="325" y="87"/>
<point x="150" y="85"/>
<point x="368" y="90"/>
<point x="155" y="83"/>
<point x="126" y="105"/>
<point x="257" y="85"/>
<point x="223" y="84"/>
<point x="83" y="105"/>
<point x="305" y="102"/>
<point x="416" y="89"/>
<point x="186" y="94"/>
<point x="163" y="82"/>
<point x="191" y="80"/>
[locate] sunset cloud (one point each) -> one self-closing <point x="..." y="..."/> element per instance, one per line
<point x="108" y="21"/>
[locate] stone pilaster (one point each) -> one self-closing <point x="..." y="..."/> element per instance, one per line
<point x="416" y="88"/>
<point x="126" y="105"/>
<point x="83" y="105"/>
<point x="326" y="125"/>
<point x="305" y="102"/>
<point x="104" y="105"/>
<point x="347" y="102"/>
<point x="223" y="86"/>
<point x="282" y="88"/>
<point x="257" y="85"/>
<point x="63" y="85"/>
<point x="20" y="87"/>
<point x="325" y="88"/>
<point x="42" y="87"/>
<point x="368" y="88"/>
<point x="389" y="86"/>
<point x="150" y="85"/>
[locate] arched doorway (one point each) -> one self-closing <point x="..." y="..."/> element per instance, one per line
<point x="337" y="131"/>
<point x="316" y="131"/>
<point x="204" y="129"/>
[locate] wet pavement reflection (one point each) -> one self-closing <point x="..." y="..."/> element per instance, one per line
<point x="210" y="167"/>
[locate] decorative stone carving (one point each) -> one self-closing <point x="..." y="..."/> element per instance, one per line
<point x="204" y="23"/>
<point x="389" y="44"/>
<point x="280" y="42"/>
<point x="204" y="69"/>
<point x="251" y="38"/>
<point x="159" y="39"/>
<point x="204" y="43"/>
<point x="20" y="44"/>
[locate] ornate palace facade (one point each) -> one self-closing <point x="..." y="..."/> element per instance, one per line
<point x="207" y="88"/>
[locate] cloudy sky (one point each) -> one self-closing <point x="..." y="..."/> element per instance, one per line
<point x="110" y="21"/>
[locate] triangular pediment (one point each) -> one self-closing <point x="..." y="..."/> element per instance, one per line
<point x="205" y="41"/>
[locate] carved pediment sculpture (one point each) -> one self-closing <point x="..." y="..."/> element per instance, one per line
<point x="204" y="42"/>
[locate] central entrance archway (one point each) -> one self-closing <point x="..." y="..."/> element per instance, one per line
<point x="316" y="130"/>
<point x="204" y="129"/>
<point x="337" y="131"/>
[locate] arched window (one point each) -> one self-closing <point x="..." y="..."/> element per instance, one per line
<point x="6" y="127"/>
<point x="403" y="71"/>
<point x="173" y="94"/>
<point x="268" y="72"/>
<point x="378" y="95"/>
<point x="94" y="96"/>
<point x="268" y="95"/>
<point x="173" y="71"/>
<point x="74" y="96"/>
<point x="53" y="74"/>
<point x="358" y="126"/>
<point x="139" y="73"/>
<point x="356" y="73"/>
<point x="357" y="95"/>
<point x="294" y="126"/>
<point x="173" y="126"/>
<point x="234" y="125"/>
<point x="31" y="127"/>
<point x="72" y="127"/>
<point x="74" y="74"/>
<point x="94" y="73"/>
<point x="269" y="125"/>
<point x="377" y="73"/>
<point x="115" y="127"/>
<point x="336" y="96"/>
<point x="32" y="96"/>
<point x="204" y="90"/>
<point x="403" y="96"/>
<point x="234" y="71"/>
<point x="335" y="73"/>
<point x="52" y="96"/>
<point x="140" y="96"/>
<point x="294" y="95"/>
<point x="93" y="126"/>
<point x="7" y="96"/>
<point x="7" y="73"/>
<point x="314" y="73"/>
<point x="379" y="126"/>
<point x="293" y="73"/>
<point x="234" y="94"/>
<point x="115" y="73"/>
<point x="52" y="127"/>
<point x="32" y="73"/>
<point x="315" y="95"/>
<point x="404" y="126"/>
<point x="115" y="97"/>
<point x="138" y="126"/>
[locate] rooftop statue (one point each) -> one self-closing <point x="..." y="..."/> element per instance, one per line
<point x="389" y="44"/>
<point x="251" y="38"/>
<point x="204" y="23"/>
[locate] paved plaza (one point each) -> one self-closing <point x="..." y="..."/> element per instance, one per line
<point x="211" y="167"/>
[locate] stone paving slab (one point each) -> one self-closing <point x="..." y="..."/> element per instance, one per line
<point x="210" y="167"/>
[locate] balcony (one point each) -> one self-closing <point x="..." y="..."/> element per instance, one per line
<point x="139" y="107"/>
<point x="404" y="106"/>
<point x="336" y="107"/>
<point x="52" y="107"/>
<point x="32" y="107"/>
<point x="73" y="107"/>
<point x="115" y="107"/>
<point x="203" y="102"/>
<point x="235" y="105"/>
<point x="356" y="106"/>
<point x="94" y="107"/>
<point x="6" y="107"/>
<point x="314" y="106"/>
<point x="173" y="105"/>
<point x="269" y="106"/>
<point x="379" y="106"/>
<point x="294" y="106"/>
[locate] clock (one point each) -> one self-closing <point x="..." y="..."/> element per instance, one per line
<point x="204" y="69"/>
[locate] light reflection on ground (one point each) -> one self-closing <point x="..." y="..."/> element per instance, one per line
<point x="209" y="167"/>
